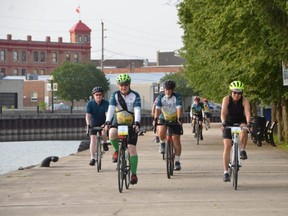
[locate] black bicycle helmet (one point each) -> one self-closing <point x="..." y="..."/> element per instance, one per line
<point x="97" y="89"/>
<point x="169" y="85"/>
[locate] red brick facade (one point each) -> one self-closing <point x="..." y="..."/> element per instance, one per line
<point x="23" y="57"/>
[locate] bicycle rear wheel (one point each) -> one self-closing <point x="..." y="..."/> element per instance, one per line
<point x="121" y="168"/>
<point x="98" y="154"/>
<point x="235" y="167"/>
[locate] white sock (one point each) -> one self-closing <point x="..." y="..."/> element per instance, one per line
<point x="177" y="158"/>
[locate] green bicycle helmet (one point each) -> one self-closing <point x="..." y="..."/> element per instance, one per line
<point x="123" y="79"/>
<point x="237" y="86"/>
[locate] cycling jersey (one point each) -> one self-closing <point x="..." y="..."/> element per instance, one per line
<point x="207" y="107"/>
<point x="133" y="103"/>
<point x="235" y="111"/>
<point x="196" y="109"/>
<point x="97" y="112"/>
<point x="168" y="106"/>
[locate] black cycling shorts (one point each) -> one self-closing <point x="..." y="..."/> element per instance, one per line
<point x="177" y="128"/>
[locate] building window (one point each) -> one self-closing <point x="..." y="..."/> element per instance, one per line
<point x="15" y="72"/>
<point x="34" y="97"/>
<point x="35" y="71"/>
<point x="23" y="71"/>
<point x="15" y="56"/>
<point x="79" y="38"/>
<point x="3" y="55"/>
<point x="42" y="57"/>
<point x="23" y="56"/>
<point x="42" y="72"/>
<point x="36" y="57"/>
<point x="3" y="72"/>
<point x="54" y="57"/>
<point x="68" y="57"/>
<point x="86" y="38"/>
<point x="76" y="57"/>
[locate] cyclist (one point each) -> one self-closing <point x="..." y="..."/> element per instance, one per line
<point x="235" y="109"/>
<point x="169" y="104"/>
<point x="207" y="111"/>
<point x="161" y="90"/>
<point x="196" y="110"/>
<point x="96" y="110"/>
<point x="125" y="107"/>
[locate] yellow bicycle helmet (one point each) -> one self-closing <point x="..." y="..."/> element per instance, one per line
<point x="123" y="79"/>
<point x="237" y="86"/>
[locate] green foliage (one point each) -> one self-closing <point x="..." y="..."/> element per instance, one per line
<point x="226" y="40"/>
<point x="42" y="106"/>
<point x="235" y="40"/>
<point x="76" y="81"/>
<point x="182" y="86"/>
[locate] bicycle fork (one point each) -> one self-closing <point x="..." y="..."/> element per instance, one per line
<point x="232" y="162"/>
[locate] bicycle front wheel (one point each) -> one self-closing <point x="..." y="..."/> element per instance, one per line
<point x="121" y="168"/>
<point x="235" y="167"/>
<point x="197" y="132"/>
<point x="169" y="159"/>
<point x="98" y="154"/>
<point x="127" y="171"/>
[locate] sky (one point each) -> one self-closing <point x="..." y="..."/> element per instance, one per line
<point x="134" y="29"/>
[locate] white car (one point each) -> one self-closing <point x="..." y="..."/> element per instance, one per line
<point x="60" y="106"/>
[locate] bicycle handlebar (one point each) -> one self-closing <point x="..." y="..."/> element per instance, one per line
<point x="241" y="128"/>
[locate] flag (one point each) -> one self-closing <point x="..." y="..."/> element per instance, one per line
<point x="78" y="9"/>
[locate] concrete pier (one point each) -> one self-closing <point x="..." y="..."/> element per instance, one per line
<point x="72" y="187"/>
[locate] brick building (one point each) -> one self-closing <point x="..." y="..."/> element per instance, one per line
<point x="28" y="57"/>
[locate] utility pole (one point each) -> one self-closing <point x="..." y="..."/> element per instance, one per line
<point x="102" y="55"/>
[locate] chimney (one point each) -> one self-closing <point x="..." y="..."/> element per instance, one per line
<point x="9" y="37"/>
<point x="29" y="38"/>
<point x="48" y="39"/>
<point x="60" y="39"/>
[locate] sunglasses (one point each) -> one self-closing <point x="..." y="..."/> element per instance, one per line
<point x="98" y="94"/>
<point x="237" y="93"/>
<point x="125" y="84"/>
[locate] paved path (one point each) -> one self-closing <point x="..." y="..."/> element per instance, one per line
<point x="71" y="187"/>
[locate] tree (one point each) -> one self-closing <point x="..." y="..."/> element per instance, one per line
<point x="237" y="40"/>
<point x="76" y="81"/>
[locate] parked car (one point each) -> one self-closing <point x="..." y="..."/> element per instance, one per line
<point x="60" y="106"/>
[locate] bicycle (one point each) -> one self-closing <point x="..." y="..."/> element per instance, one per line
<point x="206" y="124"/>
<point x="169" y="154"/>
<point x="198" y="129"/>
<point x="235" y="163"/>
<point x="123" y="163"/>
<point x="99" y="147"/>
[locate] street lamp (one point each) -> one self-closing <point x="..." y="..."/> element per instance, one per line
<point x="52" y="92"/>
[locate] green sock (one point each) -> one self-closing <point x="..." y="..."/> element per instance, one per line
<point x="115" y="144"/>
<point x="134" y="164"/>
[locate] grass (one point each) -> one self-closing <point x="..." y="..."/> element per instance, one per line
<point x="283" y="146"/>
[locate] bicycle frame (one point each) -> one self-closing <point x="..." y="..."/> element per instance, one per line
<point x="123" y="163"/>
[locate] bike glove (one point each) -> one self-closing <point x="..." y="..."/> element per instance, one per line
<point x="88" y="130"/>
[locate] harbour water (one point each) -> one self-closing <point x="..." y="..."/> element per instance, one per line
<point x="28" y="153"/>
